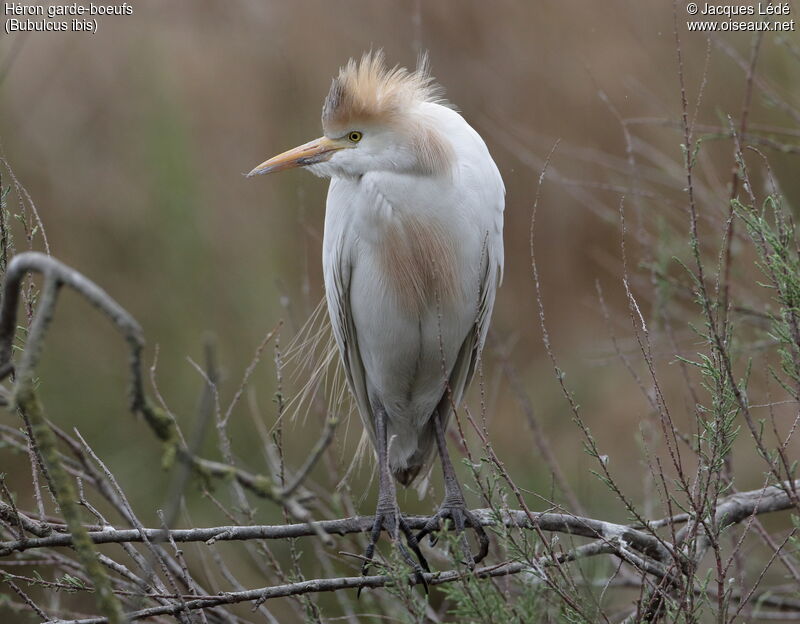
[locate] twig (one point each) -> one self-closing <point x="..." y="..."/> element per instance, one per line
<point x="24" y="596"/>
<point x="337" y="584"/>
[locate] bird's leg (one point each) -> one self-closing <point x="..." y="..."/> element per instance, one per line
<point x="453" y="506"/>
<point x="387" y="514"/>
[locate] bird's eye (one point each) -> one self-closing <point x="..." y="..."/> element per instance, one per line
<point x="355" y="136"/>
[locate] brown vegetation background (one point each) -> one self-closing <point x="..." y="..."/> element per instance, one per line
<point x="132" y="143"/>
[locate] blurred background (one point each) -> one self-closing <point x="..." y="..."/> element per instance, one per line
<point x="132" y="143"/>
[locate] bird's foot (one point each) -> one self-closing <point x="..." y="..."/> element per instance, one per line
<point x="394" y="523"/>
<point x="461" y="518"/>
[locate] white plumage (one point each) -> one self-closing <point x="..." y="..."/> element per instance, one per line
<point x="412" y="257"/>
<point x="391" y="349"/>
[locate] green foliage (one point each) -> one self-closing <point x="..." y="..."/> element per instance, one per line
<point x="475" y="601"/>
<point x="411" y="603"/>
<point x="779" y="261"/>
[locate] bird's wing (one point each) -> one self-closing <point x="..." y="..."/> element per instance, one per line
<point x="470" y="352"/>
<point x="491" y="199"/>
<point x="337" y="266"/>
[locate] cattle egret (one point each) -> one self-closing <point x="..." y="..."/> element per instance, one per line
<point x="412" y="257"/>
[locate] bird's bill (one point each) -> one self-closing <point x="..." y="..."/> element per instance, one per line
<point x="318" y="150"/>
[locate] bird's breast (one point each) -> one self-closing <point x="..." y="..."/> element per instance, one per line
<point x="411" y="257"/>
<point x="418" y="262"/>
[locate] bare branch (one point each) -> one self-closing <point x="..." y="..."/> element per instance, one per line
<point x="731" y="510"/>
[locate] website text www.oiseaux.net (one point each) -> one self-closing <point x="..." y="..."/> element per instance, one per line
<point x="740" y="26"/>
<point x="766" y="17"/>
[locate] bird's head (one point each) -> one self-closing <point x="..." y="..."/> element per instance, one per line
<point x="374" y="119"/>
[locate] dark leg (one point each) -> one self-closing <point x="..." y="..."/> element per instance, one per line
<point x="387" y="515"/>
<point x="453" y="506"/>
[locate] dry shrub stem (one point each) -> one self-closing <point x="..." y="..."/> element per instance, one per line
<point x="644" y="550"/>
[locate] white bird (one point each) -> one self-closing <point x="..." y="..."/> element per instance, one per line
<point x="412" y="257"/>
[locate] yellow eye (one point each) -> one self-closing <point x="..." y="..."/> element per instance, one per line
<point x="355" y="136"/>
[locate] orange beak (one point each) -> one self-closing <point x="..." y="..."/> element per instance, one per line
<point x="318" y="150"/>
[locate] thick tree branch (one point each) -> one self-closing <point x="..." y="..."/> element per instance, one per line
<point x="731" y="510"/>
<point x="560" y="523"/>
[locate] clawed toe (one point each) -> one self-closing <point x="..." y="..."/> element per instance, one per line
<point x="394" y="525"/>
<point x="461" y="518"/>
